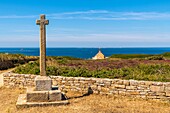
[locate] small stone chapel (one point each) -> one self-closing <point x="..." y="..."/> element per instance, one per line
<point x="99" y="55"/>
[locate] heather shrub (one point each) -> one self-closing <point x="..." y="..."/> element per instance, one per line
<point x="151" y="72"/>
<point x="148" y="67"/>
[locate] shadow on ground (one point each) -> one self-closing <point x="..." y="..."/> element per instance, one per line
<point x="89" y="92"/>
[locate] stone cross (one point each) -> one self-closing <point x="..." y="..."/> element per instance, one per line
<point x="42" y="22"/>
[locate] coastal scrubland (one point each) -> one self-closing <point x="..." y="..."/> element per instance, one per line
<point x="12" y="60"/>
<point x="121" y="66"/>
<point x="138" y="67"/>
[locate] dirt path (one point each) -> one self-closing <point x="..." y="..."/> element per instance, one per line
<point x="5" y="71"/>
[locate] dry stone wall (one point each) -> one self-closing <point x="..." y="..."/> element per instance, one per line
<point x="142" y="89"/>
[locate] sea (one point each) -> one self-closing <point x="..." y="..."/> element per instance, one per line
<point x="84" y="53"/>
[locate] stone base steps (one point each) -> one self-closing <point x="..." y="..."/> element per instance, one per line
<point x="22" y="103"/>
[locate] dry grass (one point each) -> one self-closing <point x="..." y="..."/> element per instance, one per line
<point x="86" y="104"/>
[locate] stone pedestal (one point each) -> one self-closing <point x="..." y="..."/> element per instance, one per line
<point x="42" y="95"/>
<point x="43" y="83"/>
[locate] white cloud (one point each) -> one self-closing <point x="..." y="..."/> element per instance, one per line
<point x="99" y="15"/>
<point x="110" y="15"/>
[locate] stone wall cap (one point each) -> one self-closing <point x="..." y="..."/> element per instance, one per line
<point x="42" y="78"/>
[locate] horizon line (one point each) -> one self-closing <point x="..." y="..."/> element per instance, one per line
<point x="97" y="47"/>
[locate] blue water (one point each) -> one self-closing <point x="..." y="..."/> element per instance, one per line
<point x="85" y="53"/>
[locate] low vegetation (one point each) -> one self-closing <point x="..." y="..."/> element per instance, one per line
<point x="85" y="104"/>
<point x="167" y="54"/>
<point x="139" y="56"/>
<point x="151" y="70"/>
<point x="128" y="56"/>
<point x="139" y="67"/>
<point x="11" y="60"/>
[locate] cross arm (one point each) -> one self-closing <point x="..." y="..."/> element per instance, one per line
<point x="45" y="22"/>
<point x="38" y="22"/>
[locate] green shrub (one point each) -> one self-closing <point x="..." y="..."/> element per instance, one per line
<point x="30" y="68"/>
<point x="128" y="56"/>
<point x="167" y="54"/>
<point x="155" y="58"/>
<point x="11" y="60"/>
<point x="151" y="72"/>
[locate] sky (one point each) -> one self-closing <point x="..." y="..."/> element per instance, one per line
<point x="86" y="23"/>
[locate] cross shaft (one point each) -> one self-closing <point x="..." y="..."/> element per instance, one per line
<point x="42" y="22"/>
